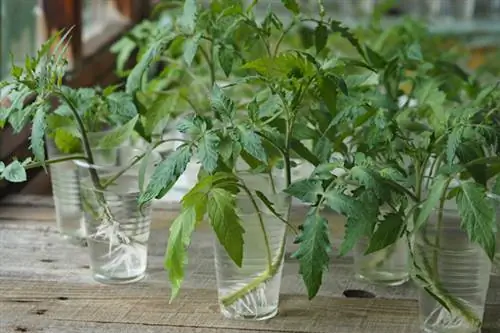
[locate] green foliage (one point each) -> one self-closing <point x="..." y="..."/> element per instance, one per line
<point x="389" y="122"/>
<point x="38" y="134"/>
<point x="14" y="172"/>
<point x="252" y="144"/>
<point x="166" y="174"/>
<point x="118" y="135"/>
<point x="226" y="223"/>
<point x="313" y="252"/>
<point x="387" y="233"/>
<point x="208" y="152"/>
<point x="291" y="5"/>
<point x="179" y="239"/>
<point x="306" y="190"/>
<point x="478" y="216"/>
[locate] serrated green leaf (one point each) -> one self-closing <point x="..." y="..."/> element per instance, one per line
<point x="14" y="172"/>
<point x="291" y="5"/>
<point x="478" y="216"/>
<point x="387" y="233"/>
<point x="226" y="58"/>
<point x="159" y="112"/>
<point x="118" y="135"/>
<point x="414" y="52"/>
<point x="208" y="151"/>
<point x="226" y="223"/>
<point x="2" y="167"/>
<point x="221" y="104"/>
<point x="313" y="252"/>
<point x="178" y="241"/>
<point x="374" y="59"/>
<point x="66" y="141"/>
<point x="361" y="213"/>
<point x="454" y="140"/>
<point x="320" y="37"/>
<point x="136" y="76"/>
<point x="38" y="134"/>
<point x="19" y="118"/>
<point x="166" y="174"/>
<point x="322" y="149"/>
<point x="252" y="144"/>
<point x="337" y="26"/>
<point x="124" y="49"/>
<point x="301" y="150"/>
<point x="190" y="48"/>
<point x="187" y="21"/>
<point x="436" y="191"/>
<point x="306" y="190"/>
<point x="269" y="108"/>
<point x="121" y="107"/>
<point x="328" y="90"/>
<point x="371" y="180"/>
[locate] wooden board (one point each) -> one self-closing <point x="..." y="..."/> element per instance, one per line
<point x="46" y="286"/>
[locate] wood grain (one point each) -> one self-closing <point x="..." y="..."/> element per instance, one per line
<point x="46" y="286"/>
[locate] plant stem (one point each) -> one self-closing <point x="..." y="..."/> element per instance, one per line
<point x="55" y="161"/>
<point x="135" y="160"/>
<point x="210" y="65"/>
<point x="439" y="226"/>
<point x="86" y="145"/>
<point x="261" y="223"/>
<point x="273" y="265"/>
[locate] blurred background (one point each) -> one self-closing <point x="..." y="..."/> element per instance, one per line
<point x="98" y="24"/>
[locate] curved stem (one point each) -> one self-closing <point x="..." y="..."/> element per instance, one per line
<point x="86" y="145"/>
<point x="136" y="159"/>
<point x="210" y="65"/>
<point x="273" y="265"/>
<point x="281" y="38"/>
<point x="261" y="223"/>
<point x="55" y="161"/>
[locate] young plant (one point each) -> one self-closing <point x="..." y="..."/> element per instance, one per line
<point x="74" y="126"/>
<point x="294" y="90"/>
<point x="411" y="150"/>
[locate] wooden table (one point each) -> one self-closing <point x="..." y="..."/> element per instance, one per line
<point x="46" y="286"/>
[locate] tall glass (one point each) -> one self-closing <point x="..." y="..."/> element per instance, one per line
<point x="252" y="290"/>
<point x="117" y="227"/>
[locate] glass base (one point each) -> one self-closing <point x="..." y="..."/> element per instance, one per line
<point x="385" y="279"/>
<point x="75" y="240"/>
<point x="449" y="330"/>
<point x="109" y="280"/>
<point x="264" y="315"/>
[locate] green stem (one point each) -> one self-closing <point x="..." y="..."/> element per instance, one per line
<point x="55" y="161"/>
<point x="210" y="65"/>
<point x="136" y="159"/>
<point x="86" y="145"/>
<point x="281" y="38"/>
<point x="255" y="283"/>
<point x="261" y="223"/>
<point x="273" y="265"/>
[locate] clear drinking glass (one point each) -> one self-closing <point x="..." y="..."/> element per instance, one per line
<point x="117" y="227"/>
<point x="252" y="290"/>
<point x="459" y="269"/>
<point x="389" y="266"/>
<point x="65" y="183"/>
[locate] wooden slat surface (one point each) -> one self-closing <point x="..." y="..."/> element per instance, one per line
<point x="45" y="286"/>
